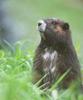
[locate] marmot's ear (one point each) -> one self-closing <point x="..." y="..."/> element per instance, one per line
<point x="66" y="26"/>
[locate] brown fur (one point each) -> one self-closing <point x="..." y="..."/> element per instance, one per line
<point x="57" y="38"/>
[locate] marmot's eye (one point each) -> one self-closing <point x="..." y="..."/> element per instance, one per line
<point x="53" y="22"/>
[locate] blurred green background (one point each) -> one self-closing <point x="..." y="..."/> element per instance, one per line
<point x="28" y="12"/>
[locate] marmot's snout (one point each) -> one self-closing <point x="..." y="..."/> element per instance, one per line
<point x="41" y="26"/>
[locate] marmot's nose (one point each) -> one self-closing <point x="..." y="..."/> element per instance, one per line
<point x="39" y="24"/>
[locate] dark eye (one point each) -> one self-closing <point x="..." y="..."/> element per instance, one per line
<point x="53" y="22"/>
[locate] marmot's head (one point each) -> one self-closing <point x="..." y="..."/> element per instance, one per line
<point x="54" y="30"/>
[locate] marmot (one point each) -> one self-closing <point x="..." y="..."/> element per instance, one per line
<point x="56" y="54"/>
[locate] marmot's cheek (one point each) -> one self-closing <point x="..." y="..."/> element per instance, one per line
<point x="59" y="30"/>
<point x="41" y="26"/>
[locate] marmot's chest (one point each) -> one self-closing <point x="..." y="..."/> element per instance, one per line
<point x="49" y="64"/>
<point x="49" y="59"/>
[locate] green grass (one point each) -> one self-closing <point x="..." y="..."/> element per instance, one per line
<point x="16" y="78"/>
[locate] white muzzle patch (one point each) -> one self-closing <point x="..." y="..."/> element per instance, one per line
<point x="41" y="26"/>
